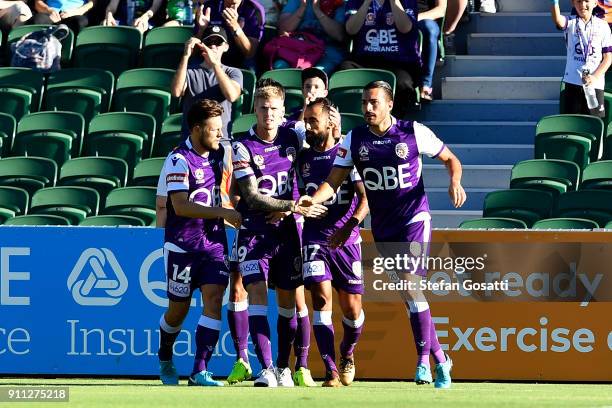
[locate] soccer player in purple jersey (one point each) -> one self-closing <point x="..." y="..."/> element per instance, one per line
<point x="331" y="250"/>
<point x="268" y="244"/>
<point x="386" y="153"/>
<point x="195" y="245"/>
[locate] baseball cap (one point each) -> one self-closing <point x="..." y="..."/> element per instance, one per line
<point x="313" y="72"/>
<point x="214" y="30"/>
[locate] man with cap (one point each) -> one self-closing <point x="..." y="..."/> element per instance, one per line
<point x="244" y="22"/>
<point x="209" y="79"/>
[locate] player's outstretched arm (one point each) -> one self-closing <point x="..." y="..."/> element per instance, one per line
<point x="185" y="208"/>
<point x="559" y="19"/>
<point x="258" y="201"/>
<point x="455" y="190"/>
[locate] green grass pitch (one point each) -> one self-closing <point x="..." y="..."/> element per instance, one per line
<point x="109" y="393"/>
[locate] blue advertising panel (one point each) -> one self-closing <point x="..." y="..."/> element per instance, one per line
<point x="88" y="301"/>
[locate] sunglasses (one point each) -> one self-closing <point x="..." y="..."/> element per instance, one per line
<point x="216" y="41"/>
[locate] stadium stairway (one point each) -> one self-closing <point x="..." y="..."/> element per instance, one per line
<point x="506" y="77"/>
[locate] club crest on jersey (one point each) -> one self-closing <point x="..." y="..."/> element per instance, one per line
<point x="199" y="174"/>
<point x="370" y="19"/>
<point x="306" y="170"/>
<point x="401" y="150"/>
<point x="389" y="19"/>
<point x="364" y="153"/>
<point x="341" y="153"/>
<point x="290" y="153"/>
<point x="259" y="161"/>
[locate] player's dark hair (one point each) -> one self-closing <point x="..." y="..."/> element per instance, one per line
<point x="267" y="87"/>
<point x="380" y="85"/>
<point x="325" y="103"/>
<point x="202" y="110"/>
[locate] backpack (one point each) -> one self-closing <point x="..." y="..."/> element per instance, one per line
<point x="299" y="49"/>
<point x="40" y="50"/>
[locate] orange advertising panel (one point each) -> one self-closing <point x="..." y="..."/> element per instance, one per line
<point x="552" y="322"/>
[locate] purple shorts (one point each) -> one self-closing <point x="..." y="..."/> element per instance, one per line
<point x="273" y="257"/>
<point x="414" y="241"/>
<point x="341" y="266"/>
<point x="188" y="271"/>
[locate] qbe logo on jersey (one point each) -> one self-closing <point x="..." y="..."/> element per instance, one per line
<point x="97" y="279"/>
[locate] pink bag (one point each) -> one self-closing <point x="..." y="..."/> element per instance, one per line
<point x="300" y="50"/>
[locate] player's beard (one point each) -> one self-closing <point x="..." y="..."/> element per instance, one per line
<point x="314" y="139"/>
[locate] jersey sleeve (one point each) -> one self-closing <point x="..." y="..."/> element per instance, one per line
<point x="427" y="142"/>
<point x="343" y="156"/>
<point x="241" y="161"/>
<point x="176" y="170"/>
<point x="607" y="39"/>
<point x="162" y="191"/>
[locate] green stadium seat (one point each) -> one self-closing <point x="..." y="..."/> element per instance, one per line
<point x="169" y="137"/>
<point x="145" y="90"/>
<point x="20" y="91"/>
<point x="147" y="172"/>
<point x="291" y="80"/>
<point x="13" y="201"/>
<point x="597" y="176"/>
<point x="54" y="135"/>
<point x="493" y="223"/>
<point x="74" y="203"/>
<point x="555" y="176"/>
<point x="163" y="46"/>
<point x="346" y="87"/>
<point x="242" y="125"/>
<point x="568" y="147"/>
<point x="584" y="125"/>
<point x="565" y="223"/>
<point x="87" y="91"/>
<point x="608" y="144"/>
<point x="244" y="104"/>
<point x="40" y="219"/>
<point x="18" y="32"/>
<point x="115" y="49"/>
<point x="8" y="126"/>
<point x="125" y="135"/>
<point x="29" y="173"/>
<point x="349" y="121"/>
<point x="111" y="221"/>
<point x="135" y="201"/>
<point x="609" y="225"/>
<point x="100" y="173"/>
<point x="594" y="205"/>
<point x="522" y="204"/>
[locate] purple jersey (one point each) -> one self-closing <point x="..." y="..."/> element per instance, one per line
<point x="390" y="167"/>
<point x="200" y="177"/>
<point x="380" y="38"/>
<point x="313" y="169"/>
<point x="272" y="165"/>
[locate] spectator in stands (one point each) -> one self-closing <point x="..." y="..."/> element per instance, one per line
<point x="209" y="79"/>
<point x="272" y="10"/>
<point x="243" y="20"/>
<point x="385" y="36"/>
<point x="454" y="12"/>
<point x="13" y="13"/>
<point x="429" y="12"/>
<point x="145" y="15"/>
<point x="73" y="13"/>
<point x="587" y="35"/>
<point x="323" y="18"/>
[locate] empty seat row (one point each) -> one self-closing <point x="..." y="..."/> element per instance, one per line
<point x="78" y="203"/>
<point x="545" y="224"/>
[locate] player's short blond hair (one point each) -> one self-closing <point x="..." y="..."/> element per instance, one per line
<point x="268" y="89"/>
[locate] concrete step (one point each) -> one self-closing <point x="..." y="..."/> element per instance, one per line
<point x="501" y="88"/>
<point x="514" y="23"/>
<point x="504" y="111"/>
<point x="452" y="218"/>
<point x="439" y="199"/>
<point x="489" y="154"/>
<point x="530" y="5"/>
<point x="474" y="176"/>
<point x="516" y="44"/>
<point x="503" y="66"/>
<point x="484" y="132"/>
